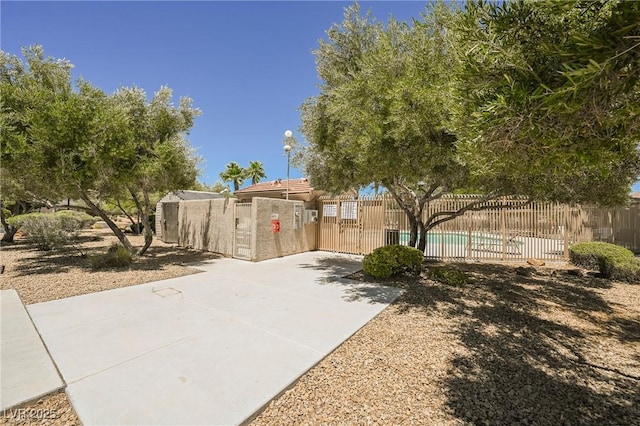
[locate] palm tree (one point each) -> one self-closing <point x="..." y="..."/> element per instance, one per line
<point x="255" y="171"/>
<point x="234" y="173"/>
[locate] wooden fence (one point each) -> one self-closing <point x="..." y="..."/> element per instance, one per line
<point x="517" y="232"/>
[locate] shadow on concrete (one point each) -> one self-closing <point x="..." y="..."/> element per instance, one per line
<point x="339" y="271"/>
<point x="334" y="267"/>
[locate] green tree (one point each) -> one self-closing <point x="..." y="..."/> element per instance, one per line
<point x="234" y="173"/>
<point x="70" y="137"/>
<point x="255" y="172"/>
<point x="549" y="96"/>
<point x="22" y="90"/>
<point x="426" y="110"/>
<point x="15" y="199"/>
<point x="82" y="143"/>
<point x="161" y="160"/>
<point x="382" y="115"/>
<point x="218" y="187"/>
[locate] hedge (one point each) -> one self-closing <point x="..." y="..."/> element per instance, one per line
<point x="612" y="261"/>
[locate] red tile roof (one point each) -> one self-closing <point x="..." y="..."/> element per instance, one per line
<point x="636" y="195"/>
<point x="296" y="186"/>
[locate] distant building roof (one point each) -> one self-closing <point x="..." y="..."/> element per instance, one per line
<point x="299" y="189"/>
<point x="190" y="195"/>
<point x="636" y="195"/>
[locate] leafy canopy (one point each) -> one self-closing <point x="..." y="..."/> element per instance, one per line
<point x="548" y="96"/>
<point x="66" y="141"/>
<point x="384" y="103"/>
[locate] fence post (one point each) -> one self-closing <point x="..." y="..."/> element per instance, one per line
<point x="503" y="217"/>
<point x="566" y="232"/>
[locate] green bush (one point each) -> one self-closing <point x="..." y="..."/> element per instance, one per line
<point x="72" y="220"/>
<point x="610" y="260"/>
<point x="19" y="220"/>
<point x="50" y="231"/>
<point x="116" y="257"/>
<point x="448" y="276"/>
<point x="387" y="261"/>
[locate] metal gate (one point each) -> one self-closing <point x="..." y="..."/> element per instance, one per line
<point x="170" y="222"/>
<point x="351" y="226"/>
<point x="242" y="234"/>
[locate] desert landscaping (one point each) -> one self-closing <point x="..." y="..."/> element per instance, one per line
<point x="515" y="345"/>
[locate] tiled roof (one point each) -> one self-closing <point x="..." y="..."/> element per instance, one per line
<point x="296" y="186"/>
<point x="636" y="195"/>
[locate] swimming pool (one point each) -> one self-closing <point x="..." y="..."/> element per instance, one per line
<point x="456" y="239"/>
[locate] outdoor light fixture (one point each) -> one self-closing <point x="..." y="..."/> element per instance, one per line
<point x="287" y="148"/>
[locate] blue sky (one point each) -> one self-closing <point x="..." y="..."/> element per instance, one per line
<point x="247" y="65"/>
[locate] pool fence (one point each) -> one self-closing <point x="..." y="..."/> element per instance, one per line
<point x="505" y="229"/>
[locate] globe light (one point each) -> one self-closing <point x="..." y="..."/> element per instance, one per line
<point x="287" y="148"/>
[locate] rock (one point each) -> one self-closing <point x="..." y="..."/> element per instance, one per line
<point x="524" y="271"/>
<point x="575" y="272"/>
<point x="535" y="262"/>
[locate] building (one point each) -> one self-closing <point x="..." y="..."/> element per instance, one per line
<point x="167" y="212"/>
<point x="298" y="189"/>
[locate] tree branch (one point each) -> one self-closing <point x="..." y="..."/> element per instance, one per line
<point x="475" y="206"/>
<point x="399" y="200"/>
<point x="124" y="211"/>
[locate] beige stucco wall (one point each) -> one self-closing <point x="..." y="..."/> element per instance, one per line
<point x="267" y="244"/>
<point x="207" y="225"/>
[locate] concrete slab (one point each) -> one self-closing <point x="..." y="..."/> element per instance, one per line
<point x="209" y="348"/>
<point x="219" y="377"/>
<point x="26" y="370"/>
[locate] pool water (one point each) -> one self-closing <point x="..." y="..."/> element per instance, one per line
<point x="449" y="238"/>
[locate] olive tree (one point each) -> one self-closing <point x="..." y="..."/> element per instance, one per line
<point x="79" y="142"/>
<point x="159" y="157"/>
<point x="382" y="116"/>
<point x="451" y="103"/>
<point x="548" y="96"/>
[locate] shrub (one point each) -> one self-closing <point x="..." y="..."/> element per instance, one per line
<point x="611" y="261"/>
<point x="72" y="220"/>
<point x="387" y="261"/>
<point x="116" y="257"/>
<point x="448" y="276"/>
<point x="43" y="230"/>
<point x="50" y="231"/>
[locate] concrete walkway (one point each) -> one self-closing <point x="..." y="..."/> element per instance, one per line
<point x="26" y="370"/>
<point x="210" y="348"/>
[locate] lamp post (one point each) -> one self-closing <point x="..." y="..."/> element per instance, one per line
<point x="287" y="148"/>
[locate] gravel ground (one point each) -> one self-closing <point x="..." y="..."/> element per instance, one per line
<point x="546" y="349"/>
<point x="505" y="349"/>
<point x="40" y="276"/>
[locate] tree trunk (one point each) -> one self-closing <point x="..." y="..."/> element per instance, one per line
<point x="148" y="234"/>
<point x="422" y="244"/>
<point x="9" y="231"/>
<point x="413" y="231"/>
<point x="116" y="231"/>
<point x="135" y="229"/>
